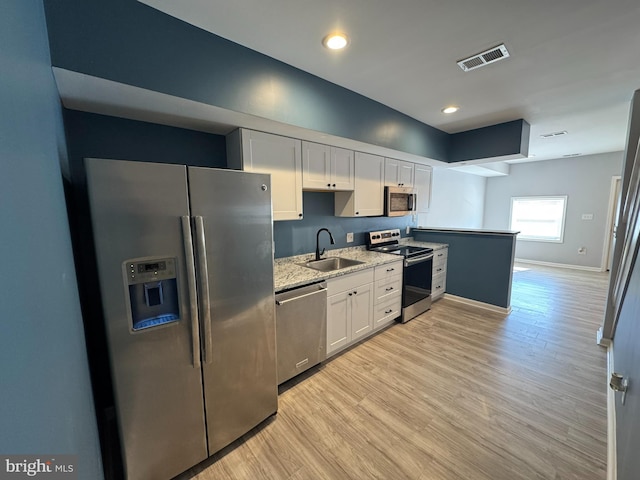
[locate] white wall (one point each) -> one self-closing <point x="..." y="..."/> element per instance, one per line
<point x="457" y="200"/>
<point x="587" y="183"/>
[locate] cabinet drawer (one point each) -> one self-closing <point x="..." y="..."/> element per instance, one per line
<point x="382" y="272"/>
<point x="439" y="269"/>
<point x="386" y="312"/>
<point x="439" y="285"/>
<point x="390" y="288"/>
<point x="440" y="256"/>
<point x="350" y="281"/>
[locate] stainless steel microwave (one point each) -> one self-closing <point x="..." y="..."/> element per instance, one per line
<point x="399" y="201"/>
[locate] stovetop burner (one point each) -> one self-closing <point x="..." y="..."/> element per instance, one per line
<point x="388" y="241"/>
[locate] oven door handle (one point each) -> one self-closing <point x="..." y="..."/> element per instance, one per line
<point x="412" y="261"/>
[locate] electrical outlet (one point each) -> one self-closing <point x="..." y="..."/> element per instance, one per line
<point x="408" y="229"/>
<point x="350" y="237"/>
<point x="582" y="251"/>
<point x="587" y="216"/>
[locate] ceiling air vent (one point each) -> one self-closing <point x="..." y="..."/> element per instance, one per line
<point x="553" y="134"/>
<point x="484" y="58"/>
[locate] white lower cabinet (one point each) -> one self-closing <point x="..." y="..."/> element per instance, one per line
<point x="349" y="309"/>
<point x="388" y="294"/>
<point x="439" y="278"/>
<point x="361" y="311"/>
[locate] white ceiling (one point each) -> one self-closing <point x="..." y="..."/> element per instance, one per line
<point x="574" y="63"/>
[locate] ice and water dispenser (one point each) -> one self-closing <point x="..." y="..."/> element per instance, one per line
<point x="153" y="292"/>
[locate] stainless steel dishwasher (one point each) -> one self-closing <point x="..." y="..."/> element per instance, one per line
<point x="301" y="329"/>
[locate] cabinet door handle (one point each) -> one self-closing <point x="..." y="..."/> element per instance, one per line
<point x="334" y="184"/>
<point x="389" y="289"/>
<point x="390" y="269"/>
<point x="440" y="254"/>
<point x="350" y="294"/>
<point x="386" y="312"/>
<point x="355" y="292"/>
<point x="439" y="270"/>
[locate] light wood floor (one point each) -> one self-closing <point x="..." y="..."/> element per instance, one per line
<point x="458" y="393"/>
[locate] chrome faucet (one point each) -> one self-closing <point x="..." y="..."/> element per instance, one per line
<point x="318" y="252"/>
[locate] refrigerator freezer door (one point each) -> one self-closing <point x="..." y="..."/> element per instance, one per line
<point x="136" y="211"/>
<point x="240" y="369"/>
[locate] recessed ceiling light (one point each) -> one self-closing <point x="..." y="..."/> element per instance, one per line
<point x="450" y="109"/>
<point x="335" y="41"/>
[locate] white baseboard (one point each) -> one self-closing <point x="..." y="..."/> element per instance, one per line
<point x="559" y="265"/>
<point x="612" y="459"/>
<point x="600" y="340"/>
<point x="475" y="303"/>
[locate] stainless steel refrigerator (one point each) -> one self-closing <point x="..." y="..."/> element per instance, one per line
<point x="185" y="266"/>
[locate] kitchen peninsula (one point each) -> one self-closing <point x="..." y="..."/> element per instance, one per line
<point x="480" y="264"/>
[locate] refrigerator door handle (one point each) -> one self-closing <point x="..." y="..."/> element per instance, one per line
<point x="191" y="281"/>
<point x="203" y="283"/>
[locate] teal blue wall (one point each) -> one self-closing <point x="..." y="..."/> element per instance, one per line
<point x="46" y="405"/>
<point x="296" y="237"/>
<point x="129" y="42"/>
<point x="502" y="140"/>
<point x="479" y="267"/>
<point x="100" y="136"/>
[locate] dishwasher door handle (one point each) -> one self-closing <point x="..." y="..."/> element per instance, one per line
<point x="283" y="302"/>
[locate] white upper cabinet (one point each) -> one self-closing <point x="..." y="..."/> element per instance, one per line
<point x="343" y="165"/>
<point x="327" y="168"/>
<point x="423" y="187"/>
<point x="281" y="157"/>
<point x="398" y="173"/>
<point x="367" y="199"/>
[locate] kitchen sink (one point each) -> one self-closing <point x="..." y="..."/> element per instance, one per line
<point x="330" y="264"/>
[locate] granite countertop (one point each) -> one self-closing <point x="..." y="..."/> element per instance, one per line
<point x="288" y="273"/>
<point x="414" y="243"/>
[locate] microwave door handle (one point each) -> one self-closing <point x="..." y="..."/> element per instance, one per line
<point x="412" y="202"/>
<point x="203" y="284"/>
<point x="191" y="281"/>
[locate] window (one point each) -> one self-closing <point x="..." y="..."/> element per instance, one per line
<point x="539" y="218"/>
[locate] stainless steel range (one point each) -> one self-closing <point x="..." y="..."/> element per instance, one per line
<point x="417" y="272"/>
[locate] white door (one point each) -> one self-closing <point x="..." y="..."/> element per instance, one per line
<point x="338" y="322"/>
<point x="282" y="158"/>
<point x="316" y="166"/>
<point x="406" y="174"/>
<point x="361" y="311"/>
<point x="423" y="187"/>
<point x="612" y="223"/>
<point x="391" y="172"/>
<point x="369" y="185"/>
<point x="343" y="169"/>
